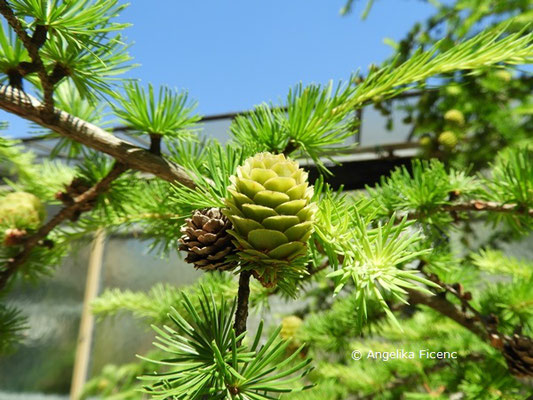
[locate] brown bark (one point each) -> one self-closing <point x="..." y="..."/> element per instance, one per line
<point x="444" y="307"/>
<point x="481" y="205"/>
<point x="241" y="314"/>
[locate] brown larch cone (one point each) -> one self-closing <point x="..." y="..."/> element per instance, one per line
<point x="206" y="241"/>
<point x="518" y="352"/>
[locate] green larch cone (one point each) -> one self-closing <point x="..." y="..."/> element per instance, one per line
<point x="269" y="204"/>
<point x="21" y="210"/>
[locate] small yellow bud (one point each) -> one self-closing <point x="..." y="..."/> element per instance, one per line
<point x="103" y="384"/>
<point x="425" y="141"/>
<point x="453" y="89"/>
<point x="289" y="326"/>
<point x="455" y="116"/>
<point x="448" y="139"/>
<point x="503" y="75"/>
<point x="21" y="210"/>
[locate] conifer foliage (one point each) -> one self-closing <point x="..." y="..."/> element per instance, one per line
<point x="401" y="265"/>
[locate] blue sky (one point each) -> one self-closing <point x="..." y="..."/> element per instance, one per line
<point x="231" y="55"/>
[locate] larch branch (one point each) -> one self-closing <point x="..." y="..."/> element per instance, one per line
<point x="450" y="310"/>
<point x="481" y="205"/>
<point x="64" y="214"/>
<point x="19" y="103"/>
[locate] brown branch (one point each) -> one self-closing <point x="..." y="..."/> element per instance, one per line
<point x="39" y="36"/>
<point x="456" y="290"/>
<point x="444" y="307"/>
<point x="481" y="205"/>
<point x="241" y="314"/>
<point x="24" y="68"/>
<point x="155" y="143"/>
<point x="15" y="23"/>
<point x="14" y="78"/>
<point x="512" y="348"/>
<point x="485" y="327"/>
<point x="65" y="213"/>
<point x="58" y="73"/>
<point x="28" y="107"/>
<point x="15" y="74"/>
<point x="290" y="148"/>
<point x="478" y="205"/>
<point x="321" y="267"/>
<point x="33" y="44"/>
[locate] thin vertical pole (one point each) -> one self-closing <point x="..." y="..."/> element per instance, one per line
<point x="83" y="349"/>
<point x="358" y="125"/>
